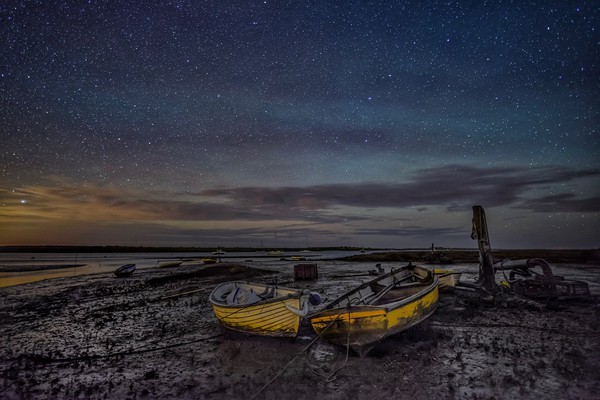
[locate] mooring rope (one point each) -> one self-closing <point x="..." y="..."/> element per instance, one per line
<point x="281" y="371"/>
<point x="331" y="377"/>
<point x="117" y="354"/>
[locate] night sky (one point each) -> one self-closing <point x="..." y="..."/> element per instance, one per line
<point x="299" y="123"/>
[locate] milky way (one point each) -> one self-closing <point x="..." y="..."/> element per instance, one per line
<point x="242" y="123"/>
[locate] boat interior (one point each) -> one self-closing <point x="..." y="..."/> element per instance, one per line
<point x="378" y="294"/>
<point x="235" y="293"/>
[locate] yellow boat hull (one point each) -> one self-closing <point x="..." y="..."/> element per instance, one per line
<point x="267" y="318"/>
<point x="363" y="325"/>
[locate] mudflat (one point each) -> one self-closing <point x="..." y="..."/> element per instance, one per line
<point x="154" y="335"/>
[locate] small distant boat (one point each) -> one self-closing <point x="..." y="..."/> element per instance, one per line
<point x="377" y="309"/>
<point x="209" y="260"/>
<point x="125" y="270"/>
<point x="275" y="252"/>
<point x="266" y="310"/>
<point x="168" y="264"/>
<point x="297" y="258"/>
<point x="219" y="252"/>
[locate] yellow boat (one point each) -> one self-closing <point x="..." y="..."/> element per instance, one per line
<point x="377" y="309"/>
<point x="260" y="309"/>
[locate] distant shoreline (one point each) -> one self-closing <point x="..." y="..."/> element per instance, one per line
<point x="183" y="249"/>
<point x="165" y="249"/>
<point x="472" y="256"/>
<point x="440" y="256"/>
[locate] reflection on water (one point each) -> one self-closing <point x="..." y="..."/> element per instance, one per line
<point x="93" y="263"/>
<point x="40" y="270"/>
<point x="19" y="278"/>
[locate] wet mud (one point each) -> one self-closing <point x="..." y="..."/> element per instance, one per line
<point x="153" y="335"/>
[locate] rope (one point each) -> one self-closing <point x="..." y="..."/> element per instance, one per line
<point x="281" y="371"/>
<point x="331" y="377"/>
<point x="123" y="353"/>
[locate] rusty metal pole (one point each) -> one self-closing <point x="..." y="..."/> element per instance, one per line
<point x="487" y="275"/>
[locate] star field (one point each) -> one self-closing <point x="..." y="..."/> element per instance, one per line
<point x="347" y="123"/>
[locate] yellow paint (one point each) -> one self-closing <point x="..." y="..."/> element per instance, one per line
<point x="343" y="315"/>
<point x="412" y="309"/>
<point x="366" y="324"/>
<point x="271" y="319"/>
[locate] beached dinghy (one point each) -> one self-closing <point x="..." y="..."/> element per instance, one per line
<point x="125" y="270"/>
<point x="377" y="309"/>
<point x="261" y="309"/>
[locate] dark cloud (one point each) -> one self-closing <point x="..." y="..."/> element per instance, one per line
<point x="457" y="187"/>
<point x="566" y="202"/>
<point x="209" y="211"/>
<point x="416" y="232"/>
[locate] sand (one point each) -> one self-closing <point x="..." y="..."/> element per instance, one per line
<point x="97" y="337"/>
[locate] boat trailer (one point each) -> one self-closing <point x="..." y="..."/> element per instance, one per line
<point x="531" y="278"/>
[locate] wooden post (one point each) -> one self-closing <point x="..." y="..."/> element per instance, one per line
<point x="487" y="275"/>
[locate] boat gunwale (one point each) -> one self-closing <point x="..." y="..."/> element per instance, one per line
<point x="332" y="305"/>
<point x="262" y="302"/>
<point x="421" y="293"/>
<point x="386" y="307"/>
